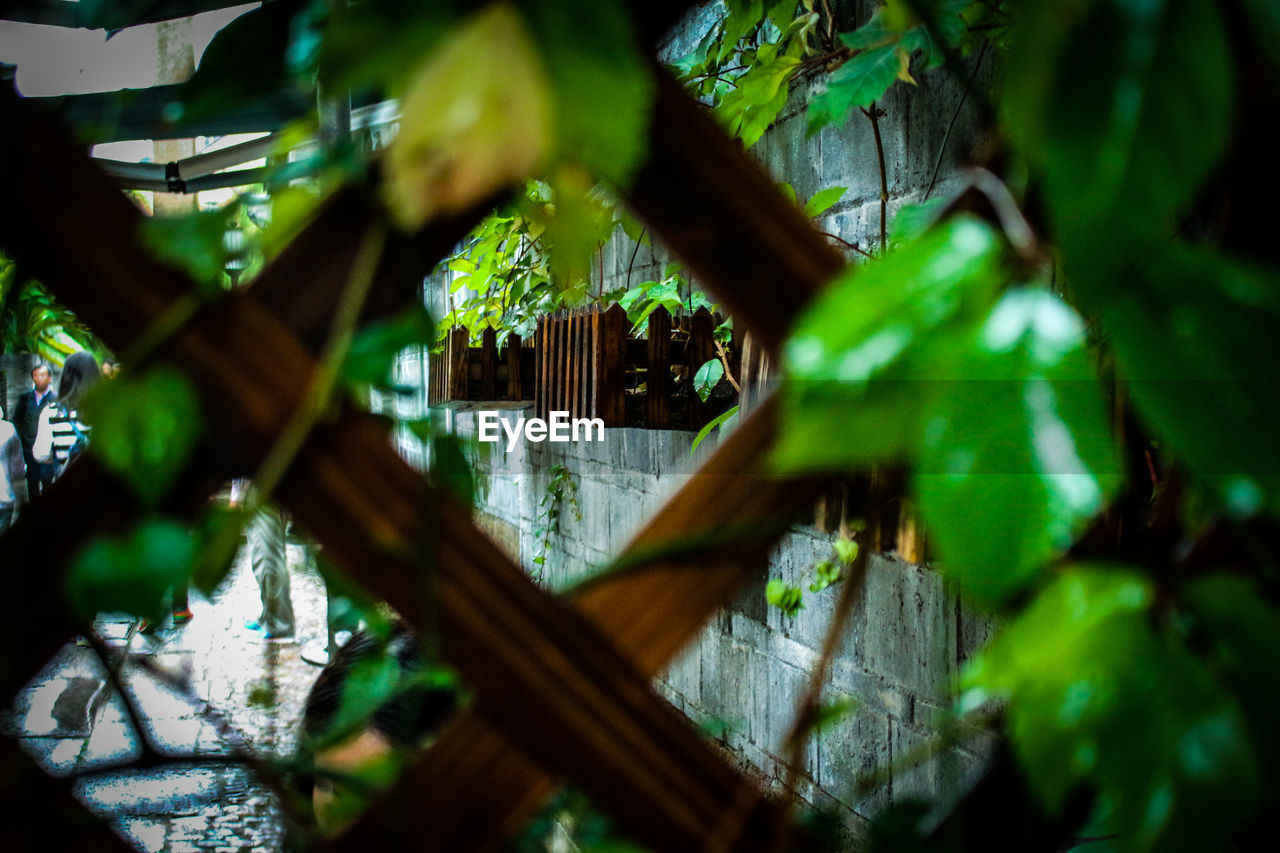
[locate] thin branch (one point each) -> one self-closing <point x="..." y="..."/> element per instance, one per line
<point x="852" y="246"/>
<point x="951" y="125"/>
<point x="874" y="114"/>
<point x="831" y="25"/>
<point x="728" y="374"/>
<point x="635" y="252"/>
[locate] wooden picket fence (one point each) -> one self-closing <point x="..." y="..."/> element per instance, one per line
<point x="583" y="361"/>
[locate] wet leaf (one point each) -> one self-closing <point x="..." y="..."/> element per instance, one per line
<point x="1017" y="456"/>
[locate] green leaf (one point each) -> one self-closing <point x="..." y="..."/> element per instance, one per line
<point x="725" y="419"/>
<point x="144" y="428"/>
<point x="707" y="377"/>
<point x="865" y="357"/>
<point x="825" y="574"/>
<point x="823" y="200"/>
<point x="1130" y="117"/>
<point x="194" y="243"/>
<point x="758" y="97"/>
<point x="601" y="82"/>
<point x="133" y="573"/>
<point x="788" y="599"/>
<point x="1096" y="697"/>
<point x="846" y="551"/>
<point x="742" y="19"/>
<point x="1193" y="335"/>
<point x="375" y="348"/>
<point x="1017" y="456"/>
<point x="912" y="220"/>
<point x="857" y="83"/>
<point x="449" y="469"/>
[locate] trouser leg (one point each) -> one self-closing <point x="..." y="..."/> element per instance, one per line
<point x="267" y="558"/>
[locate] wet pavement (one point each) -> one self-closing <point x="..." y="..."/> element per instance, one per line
<point x="182" y="785"/>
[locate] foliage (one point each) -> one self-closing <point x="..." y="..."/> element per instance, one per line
<point x="561" y="488"/>
<point x="725" y="421"/>
<point x="993" y="374"/>
<point x="132" y="573"/>
<point x="790" y="599"/>
<point x="144" y="428"/>
<point x="33" y="321"/>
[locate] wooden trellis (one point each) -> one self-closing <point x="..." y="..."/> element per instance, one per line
<point x="563" y="683"/>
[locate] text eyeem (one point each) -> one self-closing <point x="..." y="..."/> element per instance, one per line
<point x="558" y="428"/>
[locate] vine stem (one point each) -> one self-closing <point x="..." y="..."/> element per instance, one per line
<point x="942" y="149"/>
<point x="635" y="252"/>
<point x="728" y="374"/>
<point x="851" y="246"/>
<point x="873" y="114"/>
<point x="810" y="704"/>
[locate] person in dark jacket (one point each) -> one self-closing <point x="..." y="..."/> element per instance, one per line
<point x="26" y="419"/>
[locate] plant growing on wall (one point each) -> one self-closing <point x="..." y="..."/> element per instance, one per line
<point x="562" y="490"/>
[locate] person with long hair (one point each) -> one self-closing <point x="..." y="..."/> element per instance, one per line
<point x="62" y="435"/>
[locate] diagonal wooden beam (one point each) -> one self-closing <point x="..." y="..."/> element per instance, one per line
<point x="585" y="710"/>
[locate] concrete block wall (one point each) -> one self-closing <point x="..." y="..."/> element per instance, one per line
<point x="745" y="673"/>
<point x="743" y="676"/>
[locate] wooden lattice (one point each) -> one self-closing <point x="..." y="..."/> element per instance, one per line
<point x="563" y="683"/>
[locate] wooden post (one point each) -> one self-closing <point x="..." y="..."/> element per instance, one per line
<point x="586" y="346"/>
<point x="609" y="366"/>
<point x="459" y="370"/>
<point x="574" y="357"/>
<point x="514" y="348"/>
<point x="701" y="348"/>
<point x="658" y="398"/>
<point x="540" y="368"/>
<point x="489" y="364"/>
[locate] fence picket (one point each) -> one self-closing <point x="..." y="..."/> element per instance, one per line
<point x="658" y="378"/>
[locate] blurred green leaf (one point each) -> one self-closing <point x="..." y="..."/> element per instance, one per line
<point x="144" y="428"/>
<point x="193" y="242"/>
<point x="1018" y="456"/>
<point x="450" y="470"/>
<point x="866" y="356"/>
<point x="133" y="573"/>
<point x="1130" y="115"/>
<point x="1096" y="696"/>
<point x="912" y="220"/>
<point x="787" y="598"/>
<point x="601" y="82"/>
<point x="825" y="574"/>
<point x="846" y="551"/>
<point x="371" y="358"/>
<point x="1193" y="334"/>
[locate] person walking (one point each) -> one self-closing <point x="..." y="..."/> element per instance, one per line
<point x="12" y="470"/>
<point x="26" y="418"/>
<point x="268" y="560"/>
<point x="61" y="436"/>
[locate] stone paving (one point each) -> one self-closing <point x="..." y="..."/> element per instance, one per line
<point x="190" y="793"/>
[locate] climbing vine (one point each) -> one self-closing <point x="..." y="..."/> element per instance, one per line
<point x="562" y="490"/>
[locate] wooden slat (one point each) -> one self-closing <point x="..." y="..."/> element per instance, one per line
<point x="489" y="365"/>
<point x="515" y="390"/>
<point x="459" y="365"/>
<point x="540" y="369"/>
<point x="658" y="378"/>
<point x="610" y="373"/>
<point x="586" y="346"/>
<point x="701" y="348"/>
<point x="575" y="356"/>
